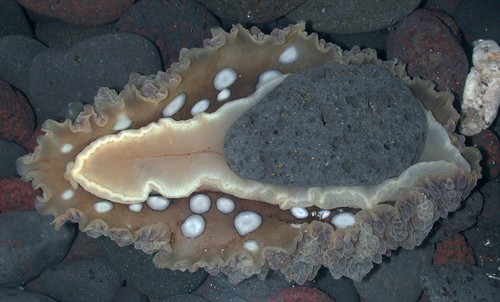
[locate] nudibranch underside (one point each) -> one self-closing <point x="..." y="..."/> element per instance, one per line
<point x="147" y="167"/>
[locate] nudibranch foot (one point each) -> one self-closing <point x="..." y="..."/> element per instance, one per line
<point x="146" y="167"/>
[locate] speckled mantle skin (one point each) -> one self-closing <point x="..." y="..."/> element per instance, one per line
<point x="396" y="213"/>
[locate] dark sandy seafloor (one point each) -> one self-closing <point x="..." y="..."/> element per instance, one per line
<point x="458" y="261"/>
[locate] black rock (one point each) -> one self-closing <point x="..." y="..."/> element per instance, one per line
<point x="9" y="152"/>
<point x="397" y="278"/>
<point x="16" y="54"/>
<point x="457" y="282"/>
<point x="13" y="21"/>
<point x="29" y="244"/>
<point x="138" y="270"/>
<point x="60" y="76"/>
<point x="80" y="280"/>
<point x="18" y="295"/>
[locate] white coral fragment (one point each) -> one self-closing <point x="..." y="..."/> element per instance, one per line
<point x="481" y="97"/>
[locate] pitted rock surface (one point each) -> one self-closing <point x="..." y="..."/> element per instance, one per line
<point x="331" y="125"/>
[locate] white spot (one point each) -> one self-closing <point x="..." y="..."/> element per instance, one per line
<point x="68" y="194"/>
<point x="193" y="226"/>
<point x="296" y="225"/>
<point x="66" y="148"/>
<point x="200" y="106"/>
<point x="136" y="207"/>
<point x="223" y="95"/>
<point x="323" y="214"/>
<point x="251" y="245"/>
<point x="247" y="222"/>
<point x="289" y="56"/>
<point x="299" y="213"/>
<point x="267" y="76"/>
<point x="103" y="206"/>
<point x="174" y="106"/>
<point x="200" y="203"/>
<point x="122" y="122"/>
<point x="225" y="205"/>
<point x="343" y="220"/>
<point x="158" y="203"/>
<point x="225" y="78"/>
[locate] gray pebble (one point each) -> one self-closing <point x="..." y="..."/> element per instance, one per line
<point x="9" y="152"/>
<point x="16" y="54"/>
<point x="352" y="16"/>
<point x="13" y="21"/>
<point x="81" y="280"/>
<point x="18" y="295"/>
<point x="331" y="125"/>
<point x="139" y="271"/>
<point x="397" y="278"/>
<point x="29" y="244"/>
<point x="457" y="282"/>
<point x="60" y="76"/>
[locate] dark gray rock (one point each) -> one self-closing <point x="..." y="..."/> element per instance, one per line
<point x="331" y="125"/>
<point x="397" y="279"/>
<point x="60" y="76"/>
<point x="478" y="19"/>
<point x="81" y="280"/>
<point x="179" y="24"/>
<point x="9" y="152"/>
<point x="17" y="295"/>
<point x="458" y="283"/>
<point x="29" y="245"/>
<point x="486" y="245"/>
<point x="339" y="289"/>
<point x="16" y="54"/>
<point x="55" y="33"/>
<point x="376" y="40"/>
<point x="250" y="11"/>
<point x="430" y="49"/>
<point x="186" y="298"/>
<point x="138" y="270"/>
<point x="218" y="288"/>
<point x="255" y="289"/>
<point x="129" y="294"/>
<point x="352" y="16"/>
<point x="12" y="19"/>
<point x="490" y="216"/>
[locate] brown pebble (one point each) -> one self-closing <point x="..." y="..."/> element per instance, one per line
<point x="430" y="50"/>
<point x="16" y="195"/>
<point x="17" y="119"/>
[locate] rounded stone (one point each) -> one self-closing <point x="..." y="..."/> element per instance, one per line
<point x="79" y="12"/>
<point x="181" y="24"/>
<point x="330" y="125"/>
<point x="351" y="16"/>
<point x="56" y="75"/>
<point x="16" y="195"/>
<point x="140" y="272"/>
<point x="16" y="295"/>
<point x="254" y="11"/>
<point x="16" y="54"/>
<point x="17" y="119"/>
<point x="13" y="20"/>
<point x="29" y="245"/>
<point x="90" y="279"/>
<point x="9" y="152"/>
<point x="432" y="52"/>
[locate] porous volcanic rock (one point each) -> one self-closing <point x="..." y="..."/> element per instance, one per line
<point x="330" y="125"/>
